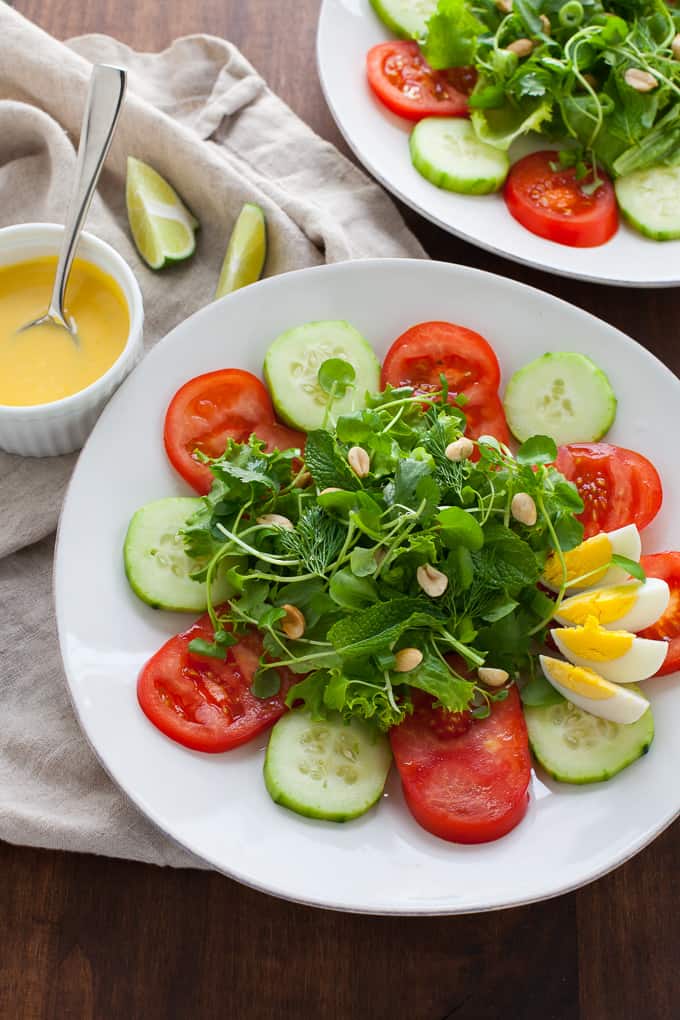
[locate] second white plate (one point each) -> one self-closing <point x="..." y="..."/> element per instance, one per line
<point x="347" y="30"/>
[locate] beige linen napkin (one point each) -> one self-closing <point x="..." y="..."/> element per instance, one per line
<point x="202" y="116"/>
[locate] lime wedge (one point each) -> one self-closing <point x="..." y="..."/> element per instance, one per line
<point x="246" y="251"/>
<point x="162" y="227"/>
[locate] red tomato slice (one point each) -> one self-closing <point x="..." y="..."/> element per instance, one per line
<point x="485" y="414"/>
<point x="403" y="80"/>
<point x="617" y="486"/>
<point x="467" y="788"/>
<point x="204" y="703"/>
<point x="552" y="204"/>
<point x="666" y="565"/>
<point x="215" y="407"/>
<point x="420" y="355"/>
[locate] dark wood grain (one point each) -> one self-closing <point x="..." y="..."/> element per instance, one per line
<point x="84" y="937"/>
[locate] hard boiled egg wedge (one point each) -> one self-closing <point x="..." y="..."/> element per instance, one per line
<point x="631" y="606"/>
<point x="615" y="654"/>
<point x="589" y="560"/>
<point x="585" y="689"/>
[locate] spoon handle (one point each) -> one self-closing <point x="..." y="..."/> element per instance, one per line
<point x="102" y="110"/>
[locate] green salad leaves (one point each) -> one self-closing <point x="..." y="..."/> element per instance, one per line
<point x="328" y="564"/>
<point x="575" y="83"/>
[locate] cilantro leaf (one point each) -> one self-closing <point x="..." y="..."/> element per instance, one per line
<point x="379" y="626"/>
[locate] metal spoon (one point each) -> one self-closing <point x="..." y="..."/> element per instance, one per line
<point x="102" y="110"/>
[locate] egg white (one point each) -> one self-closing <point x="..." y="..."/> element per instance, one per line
<point x="651" y="601"/>
<point x="641" y="661"/>
<point x="624" y="706"/>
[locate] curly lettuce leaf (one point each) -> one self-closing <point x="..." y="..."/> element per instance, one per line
<point x="500" y="127"/>
<point x="452" y="35"/>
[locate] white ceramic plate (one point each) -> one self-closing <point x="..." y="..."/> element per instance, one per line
<point x="347" y="30"/>
<point x="217" y="806"/>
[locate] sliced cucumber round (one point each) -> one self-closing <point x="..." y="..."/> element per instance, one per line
<point x="563" y="395"/>
<point x="576" y="747"/>
<point x="448" y="153"/>
<point x="650" y="201"/>
<point x="291" y="370"/>
<point x="156" y="565"/>
<point x="406" y="18"/>
<point x="330" y="769"/>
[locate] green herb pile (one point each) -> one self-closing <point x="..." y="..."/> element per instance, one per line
<point x="347" y="557"/>
<point x="575" y="83"/>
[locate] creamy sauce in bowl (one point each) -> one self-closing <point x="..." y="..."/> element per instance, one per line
<point x="44" y="364"/>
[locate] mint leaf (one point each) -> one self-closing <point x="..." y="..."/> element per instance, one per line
<point x="379" y="626"/>
<point x="326" y="462"/>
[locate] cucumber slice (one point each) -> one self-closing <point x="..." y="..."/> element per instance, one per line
<point x="576" y="747"/>
<point x="650" y="201"/>
<point x="563" y="395"/>
<point x="448" y="153"/>
<point x="156" y="564"/>
<point x="327" y="769"/>
<point x="406" y="18"/>
<point x="292" y="364"/>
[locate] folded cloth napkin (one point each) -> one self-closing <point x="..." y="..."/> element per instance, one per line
<point x="202" y="116"/>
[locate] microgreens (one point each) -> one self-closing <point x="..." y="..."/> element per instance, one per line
<point x="350" y="560"/>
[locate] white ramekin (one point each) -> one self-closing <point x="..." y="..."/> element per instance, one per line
<point x="62" y="426"/>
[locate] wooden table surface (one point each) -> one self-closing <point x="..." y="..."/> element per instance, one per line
<point x="84" y="937"/>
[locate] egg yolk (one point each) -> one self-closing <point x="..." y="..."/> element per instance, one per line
<point x="44" y="364"/>
<point x="579" y="680"/>
<point x="593" y="642"/>
<point x="590" y="557"/>
<point x="606" y="605"/>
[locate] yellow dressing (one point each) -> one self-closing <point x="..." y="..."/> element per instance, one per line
<point x="44" y="364"/>
<point x="606" y="604"/>
<point x="595" y="643"/>
<point x="592" y="555"/>
<point x="579" y="680"/>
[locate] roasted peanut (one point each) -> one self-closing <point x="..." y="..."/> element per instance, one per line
<point x="293" y="623"/>
<point x="431" y="580"/>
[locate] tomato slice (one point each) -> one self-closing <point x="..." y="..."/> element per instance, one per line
<point x="666" y="565"/>
<point x="424" y="352"/>
<point x="420" y="355"/>
<point x="617" y="486"/>
<point x="485" y="414"/>
<point x="215" y="407"/>
<point x="204" y="703"/>
<point x="552" y="203"/>
<point x="403" y="80"/>
<point x="469" y="787"/>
